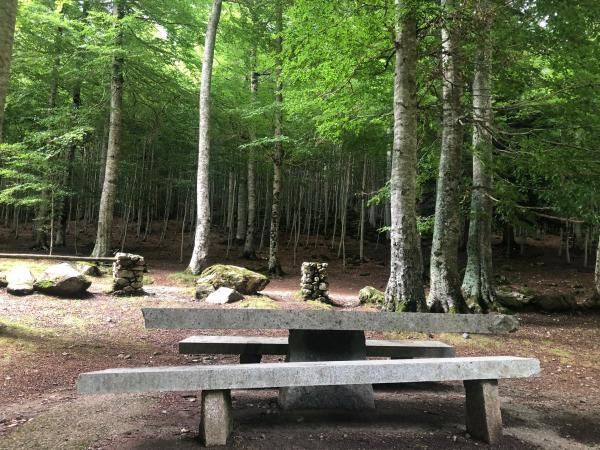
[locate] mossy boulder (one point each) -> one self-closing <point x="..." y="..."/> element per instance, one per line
<point x="244" y="281"/>
<point x="370" y="295"/>
<point x="62" y="280"/>
<point x="20" y="281"/>
<point x="513" y="300"/>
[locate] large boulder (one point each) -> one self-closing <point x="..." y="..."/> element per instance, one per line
<point x="370" y="295"/>
<point x="62" y="280"/>
<point x="224" y="295"/>
<point x="242" y="280"/>
<point x="555" y="302"/>
<point x="20" y="281"/>
<point x="513" y="300"/>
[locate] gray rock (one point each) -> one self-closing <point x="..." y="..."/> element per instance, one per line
<point x="20" y="281"/>
<point x="62" y="280"/>
<point x="203" y="290"/>
<point x="369" y="294"/>
<point x="89" y="270"/>
<point x="513" y="299"/>
<point x="555" y="302"/>
<point x="242" y="280"/>
<point x="3" y="282"/>
<point x="224" y="295"/>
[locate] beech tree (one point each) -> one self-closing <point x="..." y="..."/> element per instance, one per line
<point x="404" y="290"/>
<point x="278" y="153"/>
<point x="201" y="239"/>
<point x="478" y="282"/>
<point x="444" y="292"/>
<point x="104" y="231"/>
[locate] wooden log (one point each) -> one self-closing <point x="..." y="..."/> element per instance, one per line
<point x="56" y="257"/>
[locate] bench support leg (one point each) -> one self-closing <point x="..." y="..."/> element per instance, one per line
<point x="215" y="419"/>
<point x="250" y="358"/>
<point x="324" y="345"/>
<point x="484" y="419"/>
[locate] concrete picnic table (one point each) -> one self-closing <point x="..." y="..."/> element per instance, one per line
<point x="316" y="335"/>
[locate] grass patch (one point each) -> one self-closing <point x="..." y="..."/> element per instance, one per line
<point x="36" y="267"/>
<point x="148" y="280"/>
<point x="183" y="278"/>
<point x="315" y="304"/>
<point x="258" y="303"/>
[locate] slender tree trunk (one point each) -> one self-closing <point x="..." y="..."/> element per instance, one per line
<point x="363" y="205"/>
<point x="278" y="154"/>
<point x="109" y="189"/>
<point x="444" y="293"/>
<point x="200" y="252"/>
<point x="8" y="16"/>
<point x="404" y="290"/>
<point x="249" y="242"/>
<point x="242" y="205"/>
<point x="63" y="212"/>
<point x="478" y="283"/>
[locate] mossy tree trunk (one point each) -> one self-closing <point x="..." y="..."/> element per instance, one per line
<point x="404" y="290"/>
<point x="478" y="282"/>
<point x="201" y="238"/>
<point x="445" y="294"/>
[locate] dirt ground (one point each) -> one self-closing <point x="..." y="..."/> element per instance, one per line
<point x="47" y="342"/>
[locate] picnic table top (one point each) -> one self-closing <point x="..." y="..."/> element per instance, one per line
<point x="254" y="319"/>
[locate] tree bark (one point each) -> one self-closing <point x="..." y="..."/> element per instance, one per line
<point x="445" y="294"/>
<point x="249" y="243"/>
<point x="109" y="189"/>
<point x="404" y="290"/>
<point x="278" y="154"/>
<point x="200" y="252"/>
<point x="8" y="16"/>
<point x="478" y="283"/>
<point x="242" y="204"/>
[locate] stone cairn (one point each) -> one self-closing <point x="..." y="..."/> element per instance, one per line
<point x="314" y="284"/>
<point x="128" y="274"/>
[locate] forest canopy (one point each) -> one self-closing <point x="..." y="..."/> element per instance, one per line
<point x="316" y="89"/>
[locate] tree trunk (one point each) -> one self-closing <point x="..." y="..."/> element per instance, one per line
<point x="444" y="293"/>
<point x="478" y="283"/>
<point x="404" y="290"/>
<point x="200" y="252"/>
<point x="274" y="263"/>
<point x="242" y="205"/>
<point x="249" y="243"/>
<point x="8" y="16"/>
<point x="109" y="189"/>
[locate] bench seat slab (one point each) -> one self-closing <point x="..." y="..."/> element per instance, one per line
<point x="484" y="418"/>
<point x="273" y="375"/>
<point x="267" y="345"/>
<point x="216" y="417"/>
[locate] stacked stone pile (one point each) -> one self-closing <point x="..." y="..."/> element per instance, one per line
<point x="128" y="274"/>
<point x="314" y="282"/>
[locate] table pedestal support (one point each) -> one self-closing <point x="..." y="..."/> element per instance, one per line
<point x="325" y="345"/>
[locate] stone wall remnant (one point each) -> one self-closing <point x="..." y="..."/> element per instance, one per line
<point x="314" y="284"/>
<point x="128" y="274"/>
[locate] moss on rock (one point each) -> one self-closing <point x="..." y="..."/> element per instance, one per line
<point x="369" y="294"/>
<point x="244" y="281"/>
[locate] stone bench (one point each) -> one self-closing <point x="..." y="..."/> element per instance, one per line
<point x="479" y="374"/>
<point x="251" y="348"/>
